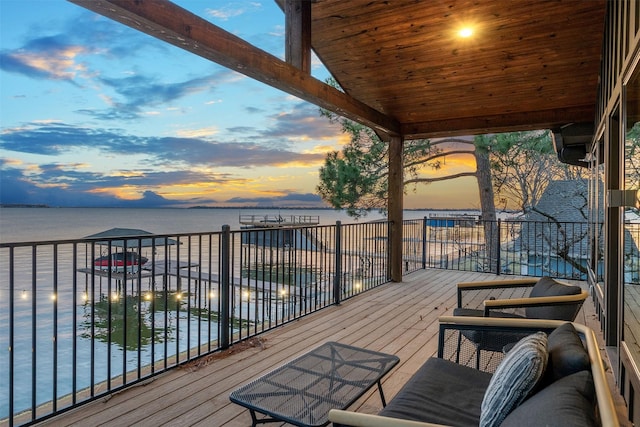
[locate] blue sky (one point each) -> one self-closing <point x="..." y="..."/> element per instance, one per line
<point x="94" y="113"/>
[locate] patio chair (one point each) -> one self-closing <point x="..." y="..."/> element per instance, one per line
<point x="548" y="299"/>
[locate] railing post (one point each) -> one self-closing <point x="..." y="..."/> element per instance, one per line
<point x="225" y="276"/>
<point x="498" y="248"/>
<point x="424" y="243"/>
<point x="338" y="265"/>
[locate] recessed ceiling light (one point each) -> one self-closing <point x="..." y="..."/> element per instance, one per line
<point x="465" y="32"/>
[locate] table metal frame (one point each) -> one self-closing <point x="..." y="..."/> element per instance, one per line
<point x="302" y="391"/>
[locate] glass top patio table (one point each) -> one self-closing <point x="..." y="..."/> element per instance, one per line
<point x="302" y="391"/>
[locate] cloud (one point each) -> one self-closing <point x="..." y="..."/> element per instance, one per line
<point x="233" y="10"/>
<point x="254" y="110"/>
<point x="17" y="188"/>
<point x="302" y="122"/>
<point x="287" y="200"/>
<point x="47" y="58"/>
<point x="79" y="189"/>
<point x="57" y="138"/>
<point x="56" y="56"/>
<point x="140" y="92"/>
<point x="151" y="199"/>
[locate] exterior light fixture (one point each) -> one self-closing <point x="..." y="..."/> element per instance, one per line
<point x="465" y="32"/>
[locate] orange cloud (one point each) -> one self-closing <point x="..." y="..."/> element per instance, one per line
<point x="60" y="65"/>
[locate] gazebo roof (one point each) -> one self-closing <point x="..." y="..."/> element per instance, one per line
<point x="131" y="242"/>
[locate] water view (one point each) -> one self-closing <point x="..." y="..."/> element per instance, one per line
<point x="99" y="325"/>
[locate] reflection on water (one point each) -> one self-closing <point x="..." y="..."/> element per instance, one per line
<point x="98" y="339"/>
<point x="129" y="321"/>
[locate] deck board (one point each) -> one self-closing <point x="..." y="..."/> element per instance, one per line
<point x="397" y="318"/>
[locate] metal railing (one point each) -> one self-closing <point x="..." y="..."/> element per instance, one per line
<point x="525" y="248"/>
<point x="81" y="319"/>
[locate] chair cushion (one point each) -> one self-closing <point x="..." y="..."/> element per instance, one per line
<point x="515" y="377"/>
<point x="567" y="402"/>
<point x="547" y="287"/>
<point x="439" y="392"/>
<point x="567" y="354"/>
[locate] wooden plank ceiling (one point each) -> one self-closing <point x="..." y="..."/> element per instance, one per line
<point x="405" y="71"/>
<point x="529" y="64"/>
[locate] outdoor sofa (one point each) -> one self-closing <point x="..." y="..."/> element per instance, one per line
<point x="530" y="298"/>
<point x="554" y="378"/>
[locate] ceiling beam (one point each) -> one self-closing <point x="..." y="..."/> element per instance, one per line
<point x="168" y="22"/>
<point x="508" y="122"/>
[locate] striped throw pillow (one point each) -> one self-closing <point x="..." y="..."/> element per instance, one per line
<point x="514" y="379"/>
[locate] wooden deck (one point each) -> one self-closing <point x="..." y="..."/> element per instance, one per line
<point x="397" y="318"/>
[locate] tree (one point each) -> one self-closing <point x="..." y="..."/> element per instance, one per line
<point x="355" y="179"/>
<point x="522" y="165"/>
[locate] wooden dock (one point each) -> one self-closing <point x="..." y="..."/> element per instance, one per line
<point x="397" y="318"/>
<point x="273" y="220"/>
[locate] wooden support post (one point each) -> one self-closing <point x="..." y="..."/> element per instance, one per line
<point x="298" y="34"/>
<point x="395" y="206"/>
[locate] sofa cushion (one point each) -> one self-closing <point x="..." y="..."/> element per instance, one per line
<point x="567" y="354"/>
<point x="567" y="402"/>
<point x="547" y="287"/>
<point x="442" y="392"/>
<point x="514" y="378"/>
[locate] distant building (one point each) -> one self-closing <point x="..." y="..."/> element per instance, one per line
<point x="555" y="238"/>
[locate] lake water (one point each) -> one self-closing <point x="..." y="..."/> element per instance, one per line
<point x="46" y="224"/>
<point x="31" y="224"/>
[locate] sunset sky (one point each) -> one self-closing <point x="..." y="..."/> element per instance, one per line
<point x="93" y="113"/>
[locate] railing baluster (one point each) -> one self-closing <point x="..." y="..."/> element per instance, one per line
<point x="54" y="391"/>
<point x="34" y="338"/>
<point x="122" y="296"/>
<point x="338" y="264"/>
<point x="74" y="328"/>
<point x="139" y="301"/>
<point x="498" y="245"/>
<point x="225" y="263"/>
<point x="12" y="323"/>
